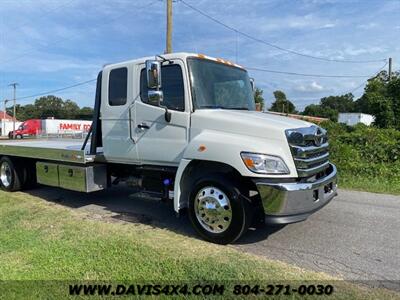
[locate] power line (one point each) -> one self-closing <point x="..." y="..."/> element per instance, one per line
<point x="347" y="92"/>
<point x="32" y="49"/>
<point x="274" y="45"/>
<point x="304" y="74"/>
<point x="92" y="80"/>
<point x="362" y="84"/>
<point x="365" y="81"/>
<point x="57" y="90"/>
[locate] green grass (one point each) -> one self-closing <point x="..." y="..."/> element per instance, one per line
<point x="382" y="185"/>
<point x="43" y="241"/>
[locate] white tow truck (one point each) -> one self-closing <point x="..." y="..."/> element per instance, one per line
<point x="183" y="127"/>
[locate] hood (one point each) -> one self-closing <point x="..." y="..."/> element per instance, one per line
<point x="250" y="123"/>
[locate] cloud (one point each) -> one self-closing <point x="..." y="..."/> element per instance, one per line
<point x="367" y="25"/>
<point x="320" y="2"/>
<point x="295" y="22"/>
<point x="58" y="43"/>
<point x="328" y="25"/>
<point x="310" y="87"/>
<point x="352" y="51"/>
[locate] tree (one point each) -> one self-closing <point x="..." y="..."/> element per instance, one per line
<point x="317" y="110"/>
<point x="23" y="112"/>
<point x="381" y="99"/>
<point x="70" y="110"/>
<point x="86" y="113"/>
<point x="29" y="111"/>
<point x="258" y="97"/>
<point x="331" y="106"/>
<point x="381" y="108"/>
<point x="343" y="103"/>
<point x="49" y="106"/>
<point x="393" y="90"/>
<point x="282" y="104"/>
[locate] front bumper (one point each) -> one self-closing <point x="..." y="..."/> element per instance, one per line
<point x="291" y="202"/>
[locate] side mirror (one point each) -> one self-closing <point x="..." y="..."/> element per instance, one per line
<point x="252" y="83"/>
<point x="155" y="97"/>
<point x="153" y="71"/>
<point x="154" y="94"/>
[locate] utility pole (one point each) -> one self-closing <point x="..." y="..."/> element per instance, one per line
<point x="390" y="68"/>
<point x="5" y="107"/>
<point x="3" y="123"/>
<point x="169" y="27"/>
<point x="14" y="85"/>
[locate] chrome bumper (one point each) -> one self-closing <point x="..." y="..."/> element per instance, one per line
<point x="294" y="201"/>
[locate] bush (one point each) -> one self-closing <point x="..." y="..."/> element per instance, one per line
<point x="365" y="152"/>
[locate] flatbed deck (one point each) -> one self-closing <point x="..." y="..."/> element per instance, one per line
<point x="65" y="150"/>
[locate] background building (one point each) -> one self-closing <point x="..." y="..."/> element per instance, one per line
<point x="355" y="118"/>
<point x="7" y="123"/>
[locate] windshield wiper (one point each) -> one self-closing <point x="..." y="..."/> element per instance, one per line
<point x="210" y="106"/>
<point x="224" y="107"/>
<point x="238" y="108"/>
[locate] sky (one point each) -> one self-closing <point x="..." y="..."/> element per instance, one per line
<point x="50" y="44"/>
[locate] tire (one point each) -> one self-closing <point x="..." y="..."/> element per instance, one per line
<point x="28" y="171"/>
<point x="11" y="175"/>
<point x="19" y="137"/>
<point x="217" y="210"/>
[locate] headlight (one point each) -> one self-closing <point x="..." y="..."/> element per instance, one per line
<point x="264" y="164"/>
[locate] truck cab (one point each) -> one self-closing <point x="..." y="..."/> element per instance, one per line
<point x="28" y="128"/>
<point x="194" y="116"/>
<point x="183" y="127"/>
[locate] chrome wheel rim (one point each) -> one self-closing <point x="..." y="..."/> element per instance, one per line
<point x="5" y="174"/>
<point x="213" y="209"/>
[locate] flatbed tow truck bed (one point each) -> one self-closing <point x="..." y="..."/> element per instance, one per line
<point x="60" y="150"/>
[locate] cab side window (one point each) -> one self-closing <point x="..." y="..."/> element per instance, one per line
<point x="118" y="87"/>
<point x="171" y="85"/>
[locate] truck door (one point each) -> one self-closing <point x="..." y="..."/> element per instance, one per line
<point x="158" y="141"/>
<point x="118" y="144"/>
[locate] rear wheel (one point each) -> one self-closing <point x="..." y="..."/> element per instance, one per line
<point x="28" y="170"/>
<point x="11" y="175"/>
<point x="217" y="209"/>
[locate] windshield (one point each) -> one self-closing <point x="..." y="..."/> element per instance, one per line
<point x="216" y="85"/>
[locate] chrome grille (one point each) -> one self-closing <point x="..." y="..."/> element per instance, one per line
<point x="309" y="147"/>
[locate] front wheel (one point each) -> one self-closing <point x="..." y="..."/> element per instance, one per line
<point x="217" y="209"/>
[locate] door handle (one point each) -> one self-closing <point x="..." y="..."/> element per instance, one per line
<point x="143" y="126"/>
